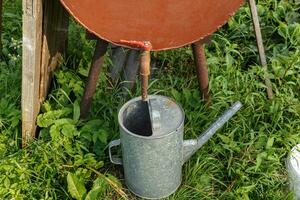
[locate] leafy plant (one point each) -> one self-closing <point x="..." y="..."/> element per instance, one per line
<point x="245" y="160"/>
<point x="76" y="187"/>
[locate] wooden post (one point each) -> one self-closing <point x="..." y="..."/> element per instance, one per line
<point x="260" y="46"/>
<point x="32" y="44"/>
<point x="44" y="36"/>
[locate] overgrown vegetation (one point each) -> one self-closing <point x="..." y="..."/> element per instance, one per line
<point x="245" y="160"/>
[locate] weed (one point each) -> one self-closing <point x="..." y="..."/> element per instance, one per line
<point x="245" y="160"/>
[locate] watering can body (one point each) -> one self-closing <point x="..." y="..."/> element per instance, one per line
<point x="153" y="164"/>
<point x="152" y="168"/>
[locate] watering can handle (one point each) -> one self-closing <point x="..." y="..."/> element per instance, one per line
<point x="114" y="159"/>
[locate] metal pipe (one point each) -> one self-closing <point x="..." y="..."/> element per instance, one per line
<point x="260" y="46"/>
<point x="145" y="72"/>
<point x="91" y="84"/>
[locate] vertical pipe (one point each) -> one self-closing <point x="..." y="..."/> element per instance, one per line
<point x="145" y="72"/>
<point x="91" y="84"/>
<point x="202" y="71"/>
<point x="260" y="47"/>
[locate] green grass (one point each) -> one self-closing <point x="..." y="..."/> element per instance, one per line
<point x="245" y="160"/>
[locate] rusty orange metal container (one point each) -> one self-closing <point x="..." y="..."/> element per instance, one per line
<point x="166" y="24"/>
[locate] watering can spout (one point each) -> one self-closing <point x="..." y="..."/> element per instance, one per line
<point x="191" y="146"/>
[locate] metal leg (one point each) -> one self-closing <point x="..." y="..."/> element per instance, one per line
<point x="202" y="72"/>
<point x="91" y="84"/>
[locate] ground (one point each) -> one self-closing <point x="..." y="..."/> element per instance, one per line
<point x="245" y="160"/>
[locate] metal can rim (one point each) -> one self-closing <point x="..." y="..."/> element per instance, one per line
<point x="122" y="109"/>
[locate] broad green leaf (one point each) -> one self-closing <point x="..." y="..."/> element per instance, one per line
<point x="49" y="118"/>
<point x="98" y="148"/>
<point x="6" y="182"/>
<point x="102" y="136"/>
<point x="93" y="194"/>
<point x="175" y="94"/>
<point x="44" y="133"/>
<point x="99" y="186"/>
<point x="95" y="137"/>
<point x="76" y="187"/>
<point x="114" y="179"/>
<point x="47" y="106"/>
<point x="54" y="132"/>
<point x="65" y="125"/>
<point x="187" y="94"/>
<point x="270" y="143"/>
<point x="76" y="111"/>
<point x="86" y="135"/>
<point x="224" y="139"/>
<point x="69" y="130"/>
<point x="259" y="159"/>
<point x="92" y="125"/>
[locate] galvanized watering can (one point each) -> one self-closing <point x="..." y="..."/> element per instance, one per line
<point x="153" y="163"/>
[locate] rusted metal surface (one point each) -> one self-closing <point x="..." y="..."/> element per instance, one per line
<point x="260" y="46"/>
<point x="145" y="72"/>
<point x="166" y="24"/>
<point x="146" y="47"/>
<point x="95" y="70"/>
<point x="201" y="68"/>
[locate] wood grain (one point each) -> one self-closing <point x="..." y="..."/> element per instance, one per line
<point x="31" y="58"/>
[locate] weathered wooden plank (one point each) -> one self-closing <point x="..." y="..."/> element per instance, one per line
<point x="54" y="40"/>
<point x="45" y="25"/>
<point x="118" y="58"/>
<point x="31" y="58"/>
<point x="131" y="70"/>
